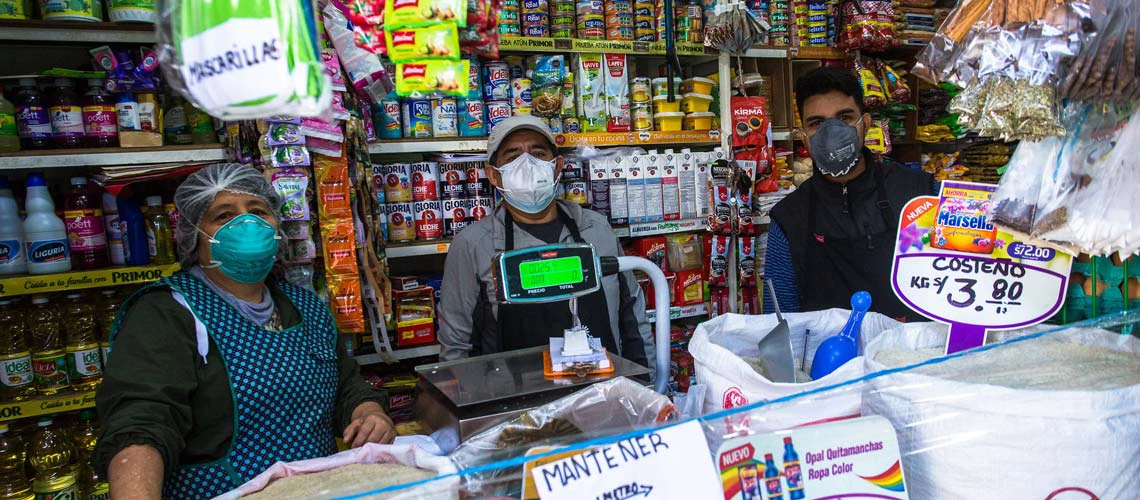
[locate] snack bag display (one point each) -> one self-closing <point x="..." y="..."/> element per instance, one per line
<point x="404" y="13"/>
<point x="339" y="245"/>
<point x="429" y="42"/>
<point x="546" y="84"/>
<point x="425" y="77"/>
<point x="292" y="186"/>
<point x="334" y="188"/>
<point x="963" y="219"/>
<point x="347" y="303"/>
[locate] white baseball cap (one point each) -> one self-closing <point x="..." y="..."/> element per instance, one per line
<point x="513" y="124"/>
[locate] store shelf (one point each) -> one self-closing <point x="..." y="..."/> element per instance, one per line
<point x="767" y="52"/>
<point x="75" y="32"/>
<point x="441" y="145"/>
<point x="102" y="157"/>
<point x="401" y="354"/>
<point x="80" y="280"/>
<point x="47" y="405"/>
<point x="574" y="45"/>
<point x="418" y="249"/>
<point x="781" y="135"/>
<point x="681" y="312"/>
<point x="817" y="53"/>
<point x="682" y="137"/>
<point x="654" y="228"/>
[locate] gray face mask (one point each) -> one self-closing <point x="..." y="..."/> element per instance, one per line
<point x="835" y="147"/>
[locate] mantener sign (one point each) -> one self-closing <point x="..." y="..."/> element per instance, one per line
<point x="954" y="266"/>
<point x="672" y="462"/>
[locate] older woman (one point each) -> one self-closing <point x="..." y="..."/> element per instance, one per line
<point x="220" y="370"/>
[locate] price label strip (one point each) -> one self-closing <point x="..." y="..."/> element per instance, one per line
<point x="953" y="266"/>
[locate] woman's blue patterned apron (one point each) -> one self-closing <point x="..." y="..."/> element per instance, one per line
<point x="284" y="386"/>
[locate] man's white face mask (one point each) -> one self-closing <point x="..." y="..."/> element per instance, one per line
<point x="529" y="183"/>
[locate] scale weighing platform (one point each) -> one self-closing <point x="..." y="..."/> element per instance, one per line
<point x="470" y="395"/>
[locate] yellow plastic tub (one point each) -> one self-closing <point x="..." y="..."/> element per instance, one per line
<point x="661" y="104"/>
<point x="669" y="122"/>
<point x="661" y="86"/>
<point x="698" y="85"/>
<point x="696" y="103"/>
<point x="699" y="121"/>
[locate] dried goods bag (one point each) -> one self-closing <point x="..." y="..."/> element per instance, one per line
<point x="1042" y="415"/>
<point x="244" y="59"/>
<point x="727" y="358"/>
<point x="329" y="486"/>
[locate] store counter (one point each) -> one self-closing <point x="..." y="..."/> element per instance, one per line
<point x="471" y="395"/>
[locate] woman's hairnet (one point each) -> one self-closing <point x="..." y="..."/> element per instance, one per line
<point x="195" y="195"/>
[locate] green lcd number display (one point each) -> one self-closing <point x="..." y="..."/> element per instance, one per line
<point x="551" y="272"/>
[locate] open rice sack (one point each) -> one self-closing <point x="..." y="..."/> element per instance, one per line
<point x="1035" y="413"/>
<point x="244" y="59"/>
<point x="726" y="357"/>
<point x="369" y="468"/>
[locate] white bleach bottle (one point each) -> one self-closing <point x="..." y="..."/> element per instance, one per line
<point x="12" y="259"/>
<point x="45" y="234"/>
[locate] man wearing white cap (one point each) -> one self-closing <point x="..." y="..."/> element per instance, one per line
<point x="524" y="165"/>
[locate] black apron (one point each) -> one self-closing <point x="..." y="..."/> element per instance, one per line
<point x="532" y="325"/>
<point x="838" y="267"/>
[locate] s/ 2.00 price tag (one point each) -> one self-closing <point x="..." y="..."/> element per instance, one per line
<point x="953" y="266"/>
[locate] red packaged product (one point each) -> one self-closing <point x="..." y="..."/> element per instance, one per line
<point x="689" y="288"/>
<point x="652" y="248"/>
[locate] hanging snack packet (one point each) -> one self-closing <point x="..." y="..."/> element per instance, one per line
<point x="300" y="251"/>
<point x="333" y="188"/>
<point x="347" y="303"/>
<point x="316" y="127"/>
<point x="873" y="95"/>
<point x="747" y="260"/>
<point x="332" y="69"/>
<point x="210" y="51"/>
<point x="405" y="13"/>
<point x="744" y="221"/>
<point x="292" y="186"/>
<point x="718" y="260"/>
<point x="367" y="73"/>
<point x="446" y="77"/>
<point x="722" y="208"/>
<point x="428" y="42"/>
<point x="289" y="156"/>
<point x="339" y="244"/>
<point x="324" y="147"/>
<point x="301" y="276"/>
<point x="284" y="134"/>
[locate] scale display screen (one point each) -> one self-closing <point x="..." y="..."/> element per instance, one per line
<point x="551" y="272"/>
<point x="547" y="273"/>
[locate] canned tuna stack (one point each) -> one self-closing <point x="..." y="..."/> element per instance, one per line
<point x="562" y="19"/>
<point x="619" y="20"/>
<point x="644" y="21"/>
<point x="591" y="19"/>
<point x="535" y="18"/>
<point x="509" y="15"/>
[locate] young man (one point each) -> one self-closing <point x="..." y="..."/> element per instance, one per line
<point x="524" y="166"/>
<point x="835" y="235"/>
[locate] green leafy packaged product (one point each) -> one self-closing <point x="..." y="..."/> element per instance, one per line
<point x="426" y="77"/>
<point x="245" y="59"/>
<point x="430" y="42"/>
<point x="15" y="9"/>
<point x="404" y="13"/>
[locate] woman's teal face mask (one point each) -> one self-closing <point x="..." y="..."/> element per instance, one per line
<point x="244" y="248"/>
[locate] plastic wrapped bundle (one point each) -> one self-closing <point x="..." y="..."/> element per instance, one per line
<point x="244" y="59"/>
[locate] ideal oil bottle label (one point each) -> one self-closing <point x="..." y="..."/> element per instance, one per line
<point x="84" y="363"/>
<point x="16" y="369"/>
<point x="44" y="251"/>
<point x="50" y="371"/>
<point x="8" y="123"/>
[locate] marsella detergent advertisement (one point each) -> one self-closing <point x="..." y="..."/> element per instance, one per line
<point x="857" y="458"/>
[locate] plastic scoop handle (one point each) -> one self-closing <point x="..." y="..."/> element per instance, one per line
<point x="860" y="304"/>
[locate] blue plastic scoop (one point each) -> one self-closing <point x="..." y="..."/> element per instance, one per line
<point x="837" y="350"/>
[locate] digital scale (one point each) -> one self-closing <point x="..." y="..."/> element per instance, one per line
<point x="469" y="395"/>
<point x="555" y="273"/>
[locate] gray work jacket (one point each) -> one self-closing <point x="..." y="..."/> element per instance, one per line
<point x="468" y="308"/>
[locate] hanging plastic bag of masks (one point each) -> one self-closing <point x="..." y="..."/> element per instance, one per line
<point x="244" y="59"/>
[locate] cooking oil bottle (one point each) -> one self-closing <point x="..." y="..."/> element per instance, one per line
<point x="51" y="455"/>
<point x="159" y="238"/>
<point x="48" y="350"/>
<point x="108" y="308"/>
<point x="84" y="361"/>
<point x="86" y="436"/>
<point x="16" y="380"/>
<point x="14" y="483"/>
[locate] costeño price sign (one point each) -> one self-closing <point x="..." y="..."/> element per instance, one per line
<point x="953" y="266"/>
